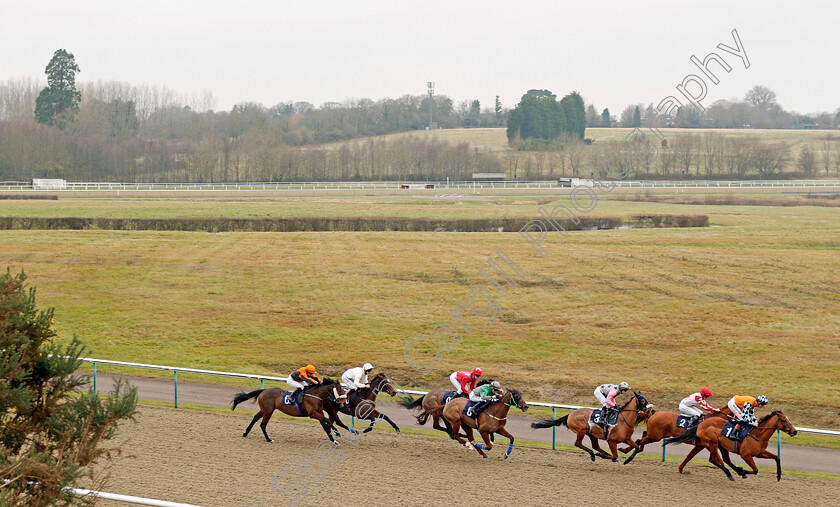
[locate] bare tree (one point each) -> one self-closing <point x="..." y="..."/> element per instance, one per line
<point x="761" y="97"/>
<point x="807" y="161"/>
<point x="825" y="150"/>
<point x="770" y="158"/>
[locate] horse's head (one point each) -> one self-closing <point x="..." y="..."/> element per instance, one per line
<point x="334" y="390"/>
<point x="517" y="401"/>
<point x="783" y="423"/>
<point x="643" y="405"/>
<point x="381" y="383"/>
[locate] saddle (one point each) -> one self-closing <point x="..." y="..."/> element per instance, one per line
<point x="730" y="433"/>
<point x="289" y="398"/>
<point x="596" y="417"/>
<point x="449" y="396"/>
<point x="685" y="421"/>
<point x="474" y="408"/>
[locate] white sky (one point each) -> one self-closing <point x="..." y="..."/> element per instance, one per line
<point x="613" y="52"/>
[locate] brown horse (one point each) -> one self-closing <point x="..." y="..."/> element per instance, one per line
<point x="661" y="425"/>
<point x="363" y="403"/>
<point x="491" y="420"/>
<point x="429" y="402"/>
<point x="707" y="435"/>
<point x="315" y="401"/>
<point x="631" y="414"/>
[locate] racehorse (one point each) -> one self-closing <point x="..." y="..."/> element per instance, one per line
<point x="315" y="400"/>
<point x="363" y="402"/>
<point x="661" y="425"/>
<point x="429" y="402"/>
<point x="631" y="414"/>
<point x="491" y="420"/>
<point x="707" y="435"/>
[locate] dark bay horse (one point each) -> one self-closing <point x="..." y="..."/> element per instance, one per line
<point x="631" y="414"/>
<point x="663" y="424"/>
<point x="707" y="435"/>
<point x="363" y="403"/>
<point x="315" y="401"/>
<point x="429" y="402"/>
<point x="491" y="420"/>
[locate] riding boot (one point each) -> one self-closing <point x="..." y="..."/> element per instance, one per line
<point x="695" y="420"/>
<point x="295" y="395"/>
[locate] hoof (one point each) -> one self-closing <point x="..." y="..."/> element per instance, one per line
<point x="365" y="431"/>
<point x="614" y="460"/>
<point x="270" y="441"/>
<point x="507" y="456"/>
<point x="731" y="478"/>
<point x="398" y="431"/>
<point x="778" y="478"/>
<point x="592" y="456"/>
<point x="244" y="435"/>
<point x="485" y="456"/>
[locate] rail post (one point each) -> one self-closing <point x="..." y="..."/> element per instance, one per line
<point x="94" y="377"/>
<point x="553" y="430"/>
<point x="176" y="387"/>
<point x="663" y="450"/>
<point x="779" y="443"/>
<point x="262" y="383"/>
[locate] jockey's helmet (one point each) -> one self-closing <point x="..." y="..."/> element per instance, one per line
<point x="762" y="400"/>
<point x="624" y="386"/>
<point x="367" y="367"/>
<point x="705" y="392"/>
<point x="476" y="372"/>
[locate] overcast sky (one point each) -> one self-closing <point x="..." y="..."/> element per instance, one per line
<point x="612" y="52"/>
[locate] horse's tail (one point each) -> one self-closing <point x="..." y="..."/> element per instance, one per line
<point x="239" y="398"/>
<point x="690" y="434"/>
<point x="412" y="404"/>
<point x="548" y="423"/>
<point x="424" y="416"/>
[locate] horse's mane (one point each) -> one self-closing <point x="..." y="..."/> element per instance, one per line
<point x="483" y="382"/>
<point x="768" y="416"/>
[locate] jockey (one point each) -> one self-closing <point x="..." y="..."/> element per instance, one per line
<point x="691" y="405"/>
<point x="485" y="394"/>
<point x="460" y="379"/>
<point x="302" y="378"/>
<point x="356" y="378"/>
<point x="606" y="393"/>
<point x="743" y="408"/>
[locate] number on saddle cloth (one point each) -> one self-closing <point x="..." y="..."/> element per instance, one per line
<point x="597" y="418"/>
<point x="730" y="433"/>
<point x="287" y="399"/>
<point x="683" y="421"/>
<point x="469" y="408"/>
<point x="448" y="396"/>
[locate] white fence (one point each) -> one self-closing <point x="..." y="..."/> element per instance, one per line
<point x="395" y="185"/>
<point x="263" y="378"/>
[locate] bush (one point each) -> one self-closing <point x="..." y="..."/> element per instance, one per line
<point x="51" y="434"/>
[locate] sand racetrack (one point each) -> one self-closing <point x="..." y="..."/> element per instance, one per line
<point x="200" y="457"/>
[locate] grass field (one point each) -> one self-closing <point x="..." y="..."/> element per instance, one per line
<point x="495" y="139"/>
<point x="751" y="306"/>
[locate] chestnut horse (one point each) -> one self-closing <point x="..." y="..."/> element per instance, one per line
<point x="363" y="404"/>
<point x="491" y="420"/>
<point x="315" y="401"/>
<point x="631" y="414"/>
<point x="661" y="425"/>
<point x="707" y="435"/>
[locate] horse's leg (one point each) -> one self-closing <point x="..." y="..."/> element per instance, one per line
<point x="485" y="435"/>
<point x="503" y="432"/>
<point x="377" y="414"/>
<point x="325" y="424"/>
<point x="614" y="449"/>
<point x="456" y="433"/>
<point x="714" y="458"/>
<point x="265" y="419"/>
<point x="596" y="445"/>
<point x="253" y="422"/>
<point x="726" y="459"/>
<point x="335" y="418"/>
<point x="769" y="455"/>
<point x="471" y="440"/>
<point x="691" y="454"/>
<point x="579" y="443"/>
<point x="637" y="447"/>
<point x="625" y="450"/>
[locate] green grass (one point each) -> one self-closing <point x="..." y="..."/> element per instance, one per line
<point x="745" y="308"/>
